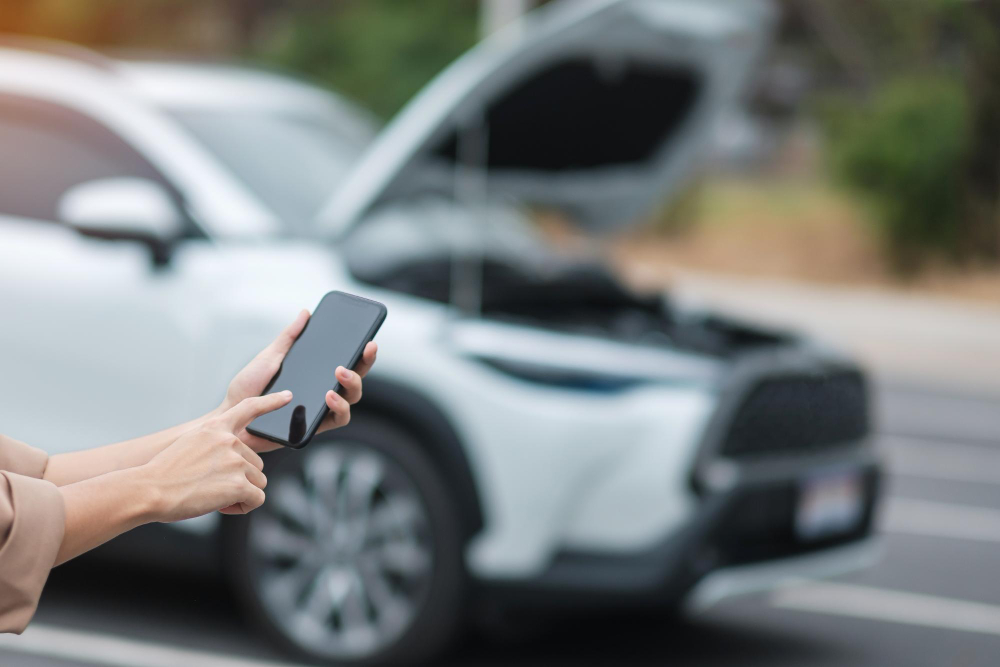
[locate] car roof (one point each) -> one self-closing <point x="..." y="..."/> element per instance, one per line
<point x="53" y="51"/>
<point x="180" y="84"/>
<point x="214" y="85"/>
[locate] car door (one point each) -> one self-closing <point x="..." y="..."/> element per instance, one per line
<point x="95" y="342"/>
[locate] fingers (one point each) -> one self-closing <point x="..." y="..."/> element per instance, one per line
<point x="237" y="417"/>
<point x="256" y="444"/>
<point x="340" y="409"/>
<point x="284" y="341"/>
<point x="255" y="477"/>
<point x="350" y="383"/>
<point x="254" y="499"/>
<point x="351" y="380"/>
<point x="253" y="486"/>
<point x="367" y="359"/>
<point x="250" y="455"/>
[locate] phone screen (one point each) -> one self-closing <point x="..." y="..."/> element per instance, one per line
<point x="334" y="336"/>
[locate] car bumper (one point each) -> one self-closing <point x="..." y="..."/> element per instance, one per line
<point x="739" y="540"/>
<point x="732" y="582"/>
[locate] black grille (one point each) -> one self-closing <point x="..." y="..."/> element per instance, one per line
<point x="799" y="413"/>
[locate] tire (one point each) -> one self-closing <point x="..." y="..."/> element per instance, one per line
<point x="336" y="583"/>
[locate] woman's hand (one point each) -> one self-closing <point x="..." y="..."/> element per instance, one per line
<point x="255" y="376"/>
<point x="204" y="470"/>
<point x="210" y="468"/>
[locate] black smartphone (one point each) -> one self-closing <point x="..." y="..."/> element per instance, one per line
<point x="335" y="335"/>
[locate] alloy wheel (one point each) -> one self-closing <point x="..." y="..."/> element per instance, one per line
<point x="341" y="554"/>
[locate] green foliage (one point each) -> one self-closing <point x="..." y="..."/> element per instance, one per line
<point x="378" y="52"/>
<point x="907" y="152"/>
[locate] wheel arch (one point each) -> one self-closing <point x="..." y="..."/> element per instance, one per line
<point x="419" y="416"/>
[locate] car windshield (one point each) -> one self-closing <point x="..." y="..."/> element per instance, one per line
<point x="291" y="161"/>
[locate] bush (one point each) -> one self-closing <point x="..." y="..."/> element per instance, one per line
<point x="907" y="153"/>
<point x="378" y="52"/>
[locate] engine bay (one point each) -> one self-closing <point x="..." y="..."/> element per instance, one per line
<point x="416" y="249"/>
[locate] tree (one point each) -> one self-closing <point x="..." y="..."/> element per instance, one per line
<point x="379" y="52"/>
<point x="923" y="138"/>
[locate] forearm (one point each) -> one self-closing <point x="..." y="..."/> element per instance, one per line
<point x="104" y="507"/>
<point x="63" y="469"/>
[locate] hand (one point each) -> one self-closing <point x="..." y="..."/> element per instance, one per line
<point x="210" y="468"/>
<point x="255" y="376"/>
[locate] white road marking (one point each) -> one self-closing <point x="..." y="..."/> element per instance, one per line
<point x="945" y="461"/>
<point x="892" y="606"/>
<point x="934" y="519"/>
<point x="114" y="651"/>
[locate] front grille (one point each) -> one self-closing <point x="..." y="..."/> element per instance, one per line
<point x="793" y="413"/>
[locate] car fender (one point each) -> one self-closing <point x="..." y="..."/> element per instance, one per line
<point x="429" y="425"/>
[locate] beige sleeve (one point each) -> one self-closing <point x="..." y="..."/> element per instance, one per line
<point x="32" y="521"/>
<point x="19" y="458"/>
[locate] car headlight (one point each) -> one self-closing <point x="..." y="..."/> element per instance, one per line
<point x="563" y="378"/>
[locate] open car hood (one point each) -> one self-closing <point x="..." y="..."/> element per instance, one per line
<point x="598" y="109"/>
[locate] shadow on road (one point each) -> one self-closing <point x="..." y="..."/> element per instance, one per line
<point x="648" y="639"/>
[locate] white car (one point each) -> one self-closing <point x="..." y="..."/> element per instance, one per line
<point x="532" y="431"/>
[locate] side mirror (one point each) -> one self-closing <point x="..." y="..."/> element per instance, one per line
<point x="124" y="209"/>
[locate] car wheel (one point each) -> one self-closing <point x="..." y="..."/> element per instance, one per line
<point x="355" y="557"/>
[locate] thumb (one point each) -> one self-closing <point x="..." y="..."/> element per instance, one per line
<point x="283" y="342"/>
<point x="237" y="417"/>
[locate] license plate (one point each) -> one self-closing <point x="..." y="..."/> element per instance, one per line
<point x="830" y="504"/>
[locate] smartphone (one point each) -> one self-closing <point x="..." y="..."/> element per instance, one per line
<point x="335" y="335"/>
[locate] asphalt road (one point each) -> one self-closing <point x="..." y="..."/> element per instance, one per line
<point x="934" y="599"/>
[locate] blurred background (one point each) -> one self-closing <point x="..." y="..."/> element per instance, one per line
<point x="863" y="156"/>
<point x="850" y="193"/>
